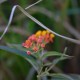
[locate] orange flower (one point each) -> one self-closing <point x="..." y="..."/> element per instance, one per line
<point x="40" y="39"/>
<point x="47" y="38"/>
<point x="32" y="38"/>
<point x="35" y="49"/>
<point x="45" y="35"/>
<point x="27" y="44"/>
<point x="43" y="45"/>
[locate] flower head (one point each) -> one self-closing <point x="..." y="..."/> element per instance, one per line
<point x="38" y="40"/>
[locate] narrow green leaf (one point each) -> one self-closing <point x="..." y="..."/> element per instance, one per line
<point x="48" y="63"/>
<point x="55" y="61"/>
<point x="17" y="46"/>
<point x="30" y="59"/>
<point x="75" y="76"/>
<point x="59" y="76"/>
<point x="52" y="53"/>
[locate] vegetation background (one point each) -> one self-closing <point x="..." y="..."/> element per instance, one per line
<point x="61" y="16"/>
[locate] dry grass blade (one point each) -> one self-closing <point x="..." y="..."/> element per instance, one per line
<point x="33" y="4"/>
<point x="36" y="21"/>
<point x="51" y="15"/>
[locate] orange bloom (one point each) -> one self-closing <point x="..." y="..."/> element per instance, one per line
<point x="43" y="45"/>
<point x="35" y="49"/>
<point x="32" y="38"/>
<point x="27" y="44"/>
<point x="40" y="39"/>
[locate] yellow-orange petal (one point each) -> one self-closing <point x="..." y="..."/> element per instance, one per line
<point x="28" y="41"/>
<point x="52" y="35"/>
<point x="47" y="31"/>
<point x="38" y="33"/>
<point x="44" y="33"/>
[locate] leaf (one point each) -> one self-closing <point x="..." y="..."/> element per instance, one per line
<point x="55" y="61"/>
<point x="52" y="53"/>
<point x="48" y="63"/>
<point x="17" y="46"/>
<point x="75" y="76"/>
<point x="30" y="59"/>
<point x="65" y="77"/>
<point x="59" y="76"/>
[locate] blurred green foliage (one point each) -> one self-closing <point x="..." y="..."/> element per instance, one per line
<point x="16" y="65"/>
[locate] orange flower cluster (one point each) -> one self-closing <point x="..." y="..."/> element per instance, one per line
<point x="38" y="41"/>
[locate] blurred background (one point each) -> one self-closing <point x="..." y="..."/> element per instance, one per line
<point x="61" y="16"/>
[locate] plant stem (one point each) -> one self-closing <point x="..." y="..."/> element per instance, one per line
<point x="39" y="73"/>
<point x="38" y="78"/>
<point x="40" y="67"/>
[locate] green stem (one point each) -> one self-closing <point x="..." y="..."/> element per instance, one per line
<point x="38" y="78"/>
<point x="39" y="73"/>
<point x="40" y="68"/>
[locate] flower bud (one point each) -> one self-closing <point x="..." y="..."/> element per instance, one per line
<point x="28" y="52"/>
<point x="42" y="45"/>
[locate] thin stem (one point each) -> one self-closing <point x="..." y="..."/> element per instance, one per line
<point x="38" y="78"/>
<point x="40" y="70"/>
<point x="53" y="65"/>
<point x="41" y="66"/>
